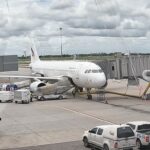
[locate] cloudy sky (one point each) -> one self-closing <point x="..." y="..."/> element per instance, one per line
<point x="88" y="26"/>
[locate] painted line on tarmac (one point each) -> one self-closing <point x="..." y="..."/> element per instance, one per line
<point x="87" y="115"/>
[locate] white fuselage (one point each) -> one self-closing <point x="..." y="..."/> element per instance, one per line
<point x="83" y="74"/>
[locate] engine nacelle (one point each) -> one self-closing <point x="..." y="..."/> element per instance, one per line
<point x="34" y="87"/>
<point x="146" y="75"/>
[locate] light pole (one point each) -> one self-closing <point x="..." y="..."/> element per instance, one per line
<point x="61" y="40"/>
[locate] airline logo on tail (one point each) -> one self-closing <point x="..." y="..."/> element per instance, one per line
<point x="32" y="52"/>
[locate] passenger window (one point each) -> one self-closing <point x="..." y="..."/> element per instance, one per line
<point x="100" y="131"/>
<point x="131" y="125"/>
<point x="93" y="130"/>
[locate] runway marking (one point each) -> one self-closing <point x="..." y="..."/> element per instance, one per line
<point x="87" y="115"/>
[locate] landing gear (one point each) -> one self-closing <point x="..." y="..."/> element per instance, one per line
<point x="75" y="90"/>
<point x="89" y="95"/>
<point x="80" y="89"/>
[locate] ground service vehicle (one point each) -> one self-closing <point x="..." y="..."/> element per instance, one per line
<point x="22" y="95"/>
<point x="110" y="137"/>
<point x="142" y="132"/>
<point x="6" y="96"/>
<point x="50" y="97"/>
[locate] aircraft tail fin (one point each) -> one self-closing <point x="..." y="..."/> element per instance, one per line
<point x="34" y="55"/>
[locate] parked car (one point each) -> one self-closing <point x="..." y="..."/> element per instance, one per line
<point x="51" y="97"/>
<point x="110" y="137"/>
<point x="142" y="132"/>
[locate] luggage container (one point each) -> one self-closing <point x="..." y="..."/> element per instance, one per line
<point x="22" y="96"/>
<point x="6" y="96"/>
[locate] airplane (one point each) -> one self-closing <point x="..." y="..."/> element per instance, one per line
<point x="81" y="74"/>
<point x="146" y="75"/>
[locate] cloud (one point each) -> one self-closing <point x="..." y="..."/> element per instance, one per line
<point x="78" y="19"/>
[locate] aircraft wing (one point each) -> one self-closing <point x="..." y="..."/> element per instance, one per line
<point x="54" y="79"/>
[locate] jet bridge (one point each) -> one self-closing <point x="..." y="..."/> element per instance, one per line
<point x="8" y="63"/>
<point x="126" y="67"/>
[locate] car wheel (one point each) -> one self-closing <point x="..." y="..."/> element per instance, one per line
<point x="138" y="144"/>
<point x="105" y="147"/>
<point x="85" y="141"/>
<point x="42" y="98"/>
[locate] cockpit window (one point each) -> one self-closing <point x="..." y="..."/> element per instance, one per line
<point x="93" y="71"/>
<point x="89" y="71"/>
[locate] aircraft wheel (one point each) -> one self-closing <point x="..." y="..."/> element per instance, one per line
<point x="81" y="89"/>
<point x="73" y="93"/>
<point x="89" y="96"/>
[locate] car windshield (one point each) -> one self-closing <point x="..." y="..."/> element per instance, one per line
<point x="143" y="127"/>
<point x="124" y="132"/>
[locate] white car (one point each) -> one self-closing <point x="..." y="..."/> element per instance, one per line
<point x="110" y="137"/>
<point x="142" y="132"/>
<point x="51" y="97"/>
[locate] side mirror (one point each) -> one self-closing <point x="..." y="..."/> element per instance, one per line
<point x="90" y="131"/>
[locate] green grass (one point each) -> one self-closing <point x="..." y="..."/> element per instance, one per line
<point x="68" y="57"/>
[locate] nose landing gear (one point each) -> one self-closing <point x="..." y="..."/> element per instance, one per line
<point x="89" y="95"/>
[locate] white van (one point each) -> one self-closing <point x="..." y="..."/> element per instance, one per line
<point x="22" y="95"/>
<point x="110" y="137"/>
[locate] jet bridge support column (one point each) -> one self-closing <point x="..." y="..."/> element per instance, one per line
<point x="143" y="96"/>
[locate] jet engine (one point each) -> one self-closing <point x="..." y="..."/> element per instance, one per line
<point x="34" y="87"/>
<point x="41" y="88"/>
<point x="146" y="75"/>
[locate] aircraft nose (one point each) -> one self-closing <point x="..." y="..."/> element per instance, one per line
<point x="101" y="81"/>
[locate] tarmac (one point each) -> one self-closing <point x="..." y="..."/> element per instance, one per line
<point x="60" y="124"/>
